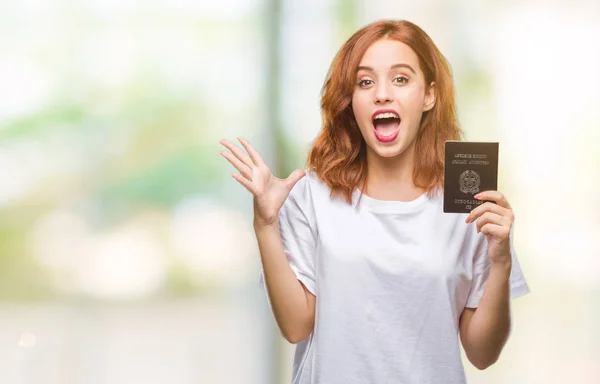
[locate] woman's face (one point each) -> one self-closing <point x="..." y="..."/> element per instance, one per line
<point x="390" y="97"/>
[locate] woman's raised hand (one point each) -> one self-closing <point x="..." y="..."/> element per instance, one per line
<point x="269" y="191"/>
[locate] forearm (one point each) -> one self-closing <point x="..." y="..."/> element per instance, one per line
<point x="489" y="327"/>
<point x="286" y="294"/>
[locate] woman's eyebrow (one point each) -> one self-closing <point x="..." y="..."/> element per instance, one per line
<point x="400" y="65"/>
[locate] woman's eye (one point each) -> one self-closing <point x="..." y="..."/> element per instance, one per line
<point x="364" y="83"/>
<point x="401" y="80"/>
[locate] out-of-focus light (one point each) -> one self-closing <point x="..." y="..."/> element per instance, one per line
<point x="125" y="263"/>
<point x="25" y="87"/>
<point x="546" y="81"/>
<point x="213" y="240"/>
<point x="57" y="238"/>
<point x="22" y="166"/>
<point x="212" y="9"/>
<point x="27" y="340"/>
<point x="110" y="58"/>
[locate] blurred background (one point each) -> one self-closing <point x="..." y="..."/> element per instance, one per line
<point x="126" y="249"/>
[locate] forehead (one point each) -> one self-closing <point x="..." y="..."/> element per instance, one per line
<point x="386" y="52"/>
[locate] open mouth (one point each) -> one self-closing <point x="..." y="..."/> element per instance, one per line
<point x="386" y="125"/>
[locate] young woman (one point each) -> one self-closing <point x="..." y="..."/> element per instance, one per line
<point x="363" y="269"/>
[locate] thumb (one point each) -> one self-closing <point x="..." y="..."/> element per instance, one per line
<point x="294" y="177"/>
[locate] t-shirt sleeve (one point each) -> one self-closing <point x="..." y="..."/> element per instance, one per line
<point x="481" y="269"/>
<point x="298" y="234"/>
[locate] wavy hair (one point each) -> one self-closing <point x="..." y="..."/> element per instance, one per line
<point x="339" y="155"/>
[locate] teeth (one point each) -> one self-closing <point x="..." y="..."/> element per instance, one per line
<point x="386" y="116"/>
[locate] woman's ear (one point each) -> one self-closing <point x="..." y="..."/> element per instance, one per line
<point x="429" y="100"/>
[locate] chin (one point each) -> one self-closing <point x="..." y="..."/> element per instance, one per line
<point x="389" y="151"/>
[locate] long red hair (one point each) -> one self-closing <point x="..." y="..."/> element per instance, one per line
<point x="338" y="155"/>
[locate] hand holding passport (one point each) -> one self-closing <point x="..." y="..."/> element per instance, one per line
<point x="469" y="168"/>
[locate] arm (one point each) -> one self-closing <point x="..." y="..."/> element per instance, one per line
<point x="485" y="330"/>
<point x="293" y="305"/>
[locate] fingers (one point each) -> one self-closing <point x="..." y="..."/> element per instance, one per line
<point x="245" y="182"/>
<point x="245" y="164"/>
<point x="238" y="153"/>
<point x="241" y="167"/>
<point x="492" y="218"/>
<point x="498" y="231"/>
<point x="254" y="155"/>
<point x="496" y="196"/>
<point x="294" y="177"/>
<point x="489" y="207"/>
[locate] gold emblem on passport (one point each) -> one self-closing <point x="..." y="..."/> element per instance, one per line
<point x="469" y="182"/>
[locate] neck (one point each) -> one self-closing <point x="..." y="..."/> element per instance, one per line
<point x="392" y="178"/>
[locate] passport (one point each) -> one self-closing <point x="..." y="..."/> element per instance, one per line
<point x="469" y="168"/>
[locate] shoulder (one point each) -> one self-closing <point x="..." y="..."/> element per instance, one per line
<point x="309" y="186"/>
<point x="314" y="180"/>
<point x="311" y="192"/>
<point x="303" y="192"/>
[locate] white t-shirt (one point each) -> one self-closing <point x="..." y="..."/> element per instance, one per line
<point x="391" y="280"/>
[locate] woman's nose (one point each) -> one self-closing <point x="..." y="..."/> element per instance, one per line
<point x="382" y="95"/>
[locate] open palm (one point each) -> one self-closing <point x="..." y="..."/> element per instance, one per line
<point x="269" y="191"/>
